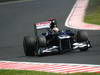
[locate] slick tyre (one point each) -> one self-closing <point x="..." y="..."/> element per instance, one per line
<point x="81" y="36"/>
<point x="29" y="45"/>
<point x="42" y="41"/>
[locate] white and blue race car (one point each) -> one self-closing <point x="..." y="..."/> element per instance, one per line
<point x="46" y="40"/>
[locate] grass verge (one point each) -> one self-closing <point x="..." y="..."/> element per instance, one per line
<point x="22" y="72"/>
<point x="93" y="12"/>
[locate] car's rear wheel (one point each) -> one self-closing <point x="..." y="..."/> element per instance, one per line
<point x="29" y="45"/>
<point x="40" y="45"/>
<point x="42" y="41"/>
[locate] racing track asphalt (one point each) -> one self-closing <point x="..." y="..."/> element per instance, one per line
<point x="16" y="21"/>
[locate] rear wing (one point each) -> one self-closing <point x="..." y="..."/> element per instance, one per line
<point x="42" y="25"/>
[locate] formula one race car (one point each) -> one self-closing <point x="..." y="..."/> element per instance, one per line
<point x="49" y="39"/>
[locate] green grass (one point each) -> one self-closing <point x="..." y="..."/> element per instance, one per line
<point x="22" y="72"/>
<point x="93" y="12"/>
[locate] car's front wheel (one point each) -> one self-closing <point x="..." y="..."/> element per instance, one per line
<point x="81" y="36"/>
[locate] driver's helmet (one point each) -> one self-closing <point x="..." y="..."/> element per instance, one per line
<point x="55" y="29"/>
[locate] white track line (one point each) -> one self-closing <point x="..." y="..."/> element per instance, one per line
<point x="76" y="17"/>
<point x="70" y="15"/>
